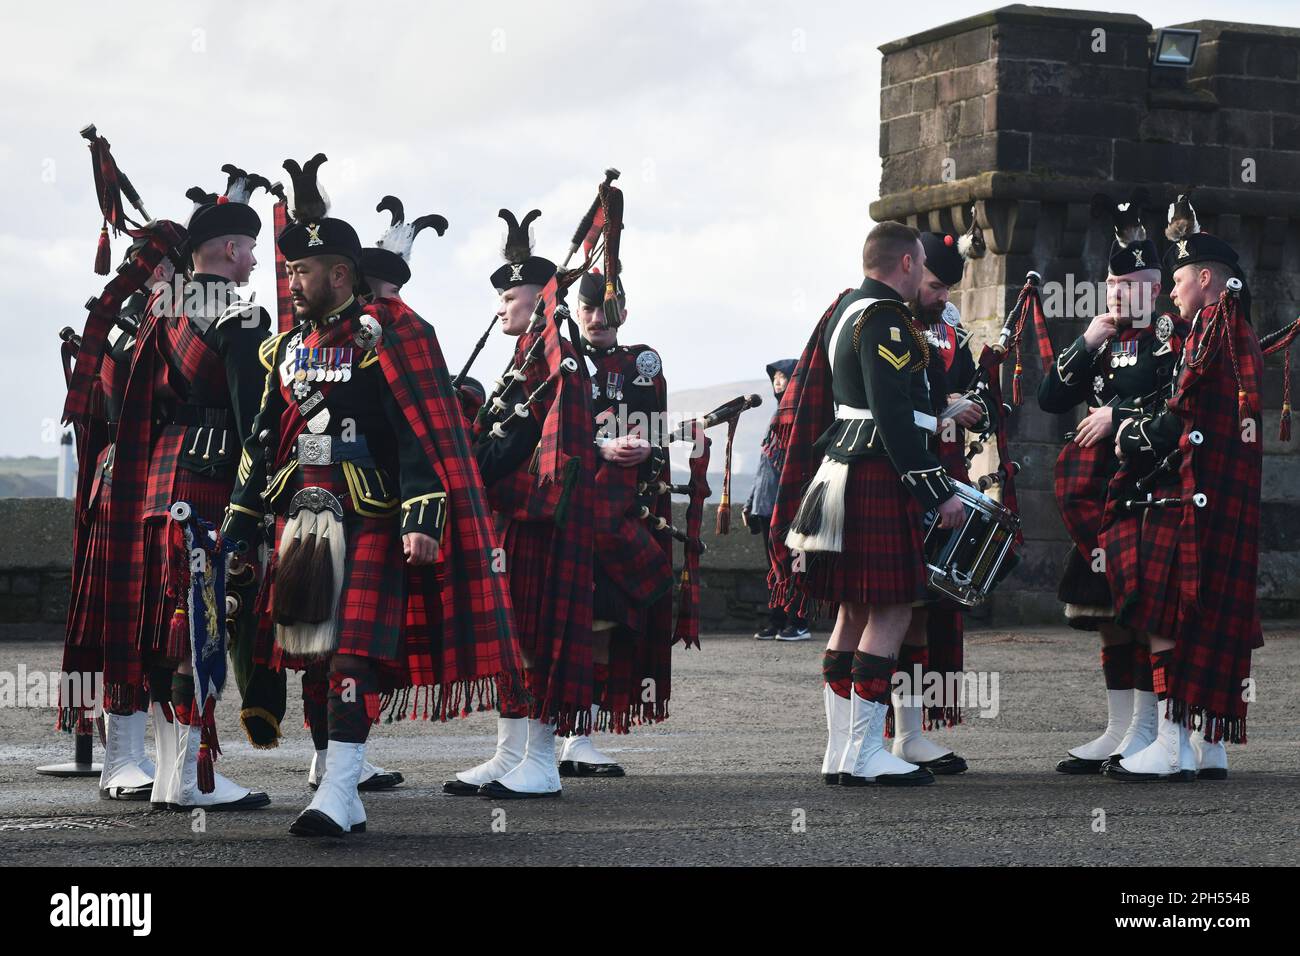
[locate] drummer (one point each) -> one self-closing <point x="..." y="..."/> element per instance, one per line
<point x="935" y="637"/>
<point x="861" y="383"/>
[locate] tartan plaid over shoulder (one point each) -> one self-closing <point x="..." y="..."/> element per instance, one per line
<point x="476" y="645"/>
<point x="1198" y="566"/>
<point x="805" y="412"/>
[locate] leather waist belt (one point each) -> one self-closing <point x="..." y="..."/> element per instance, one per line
<point x="330" y="449"/>
<point x="201" y="415"/>
<point x="847" y="412"/>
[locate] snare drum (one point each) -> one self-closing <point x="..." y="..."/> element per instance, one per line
<point x="966" y="562"/>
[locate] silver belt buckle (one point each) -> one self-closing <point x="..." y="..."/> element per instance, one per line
<point x="315" y="449"/>
<point x="316" y="500"/>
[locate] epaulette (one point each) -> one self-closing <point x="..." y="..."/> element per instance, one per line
<point x="266" y="351"/>
<point x="880" y="305"/>
<point x="963" y="336"/>
<point x="238" y="309"/>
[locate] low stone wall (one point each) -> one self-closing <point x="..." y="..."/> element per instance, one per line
<point x="35" y="566"/>
<point x="36" y="557"/>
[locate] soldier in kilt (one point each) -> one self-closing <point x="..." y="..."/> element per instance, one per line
<point x="381" y="571"/>
<point x="935" y="637"/>
<point x="385" y="268"/>
<point x="1119" y="367"/>
<point x="534" y="449"/>
<point x="189" y="403"/>
<point x="632" y="605"/>
<point x="128" y="771"/>
<point x="1186" y="572"/>
<point x="859" y="476"/>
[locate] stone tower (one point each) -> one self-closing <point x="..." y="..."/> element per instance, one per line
<point x="1022" y="114"/>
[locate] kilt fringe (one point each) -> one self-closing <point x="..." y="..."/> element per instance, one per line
<point x="1214" y="727"/>
<point x="635" y="715"/>
<point x="260" y="713"/>
<point x="932" y="718"/>
<point x="439" y="701"/>
<point x="74" y="720"/>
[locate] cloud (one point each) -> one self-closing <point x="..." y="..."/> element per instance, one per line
<point x="747" y="135"/>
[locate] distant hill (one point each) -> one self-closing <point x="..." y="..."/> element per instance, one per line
<point x="749" y="433"/>
<point x="28" y="477"/>
<point x="35" y="477"/>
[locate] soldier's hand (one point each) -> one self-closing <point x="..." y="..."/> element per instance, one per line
<point x="952" y="513"/>
<point x="627" y="451"/>
<point x="419" y="548"/>
<point x="1099" y="331"/>
<point x="968" y="417"/>
<point x="1097" y="426"/>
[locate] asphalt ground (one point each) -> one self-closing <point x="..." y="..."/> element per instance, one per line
<point x="731" y="778"/>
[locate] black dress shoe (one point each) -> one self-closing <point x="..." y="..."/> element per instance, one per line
<point x="949" y="763"/>
<point x="458" y="789"/>
<point x="919" y="777"/>
<point x="1079" y="767"/>
<point x="313" y="823"/>
<point x="386" y="780"/>
<point x="496" y="790"/>
<point x="831" y="779"/>
<point x="252" y="800"/>
<point x="1116" y="772"/>
<point x="575" y="768"/>
<point x="1212" y="773"/>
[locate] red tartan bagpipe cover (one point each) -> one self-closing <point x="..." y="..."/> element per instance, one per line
<point x="1204" y="560"/>
<point x="121" y="508"/>
<point x="806" y="411"/>
<point x="461" y="608"/>
<point x="83" y="650"/>
<point x="559" y="489"/>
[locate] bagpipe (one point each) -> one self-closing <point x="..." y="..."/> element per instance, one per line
<point x="597" y="234"/>
<point x="154" y="241"/>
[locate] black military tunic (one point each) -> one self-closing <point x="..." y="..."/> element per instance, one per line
<point x="370" y="438"/>
<point x="878" y="368"/>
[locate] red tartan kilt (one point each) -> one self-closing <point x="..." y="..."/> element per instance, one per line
<point x="528" y="546"/>
<point x="372" y="602"/>
<point x="208" y="497"/>
<point x="883" y="559"/>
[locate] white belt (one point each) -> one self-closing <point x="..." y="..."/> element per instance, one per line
<point x="922" y="420"/>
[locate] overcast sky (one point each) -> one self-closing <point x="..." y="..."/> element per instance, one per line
<point x="747" y="135"/>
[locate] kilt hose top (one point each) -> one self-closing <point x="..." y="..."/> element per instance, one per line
<point x="634" y="573"/>
<point x="544" y="499"/>
<point x="1189" y="573"/>
<point x="189" y="401"/>
<point x="442" y="637"/>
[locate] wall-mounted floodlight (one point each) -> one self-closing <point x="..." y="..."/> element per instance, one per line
<point x="1176" y="48"/>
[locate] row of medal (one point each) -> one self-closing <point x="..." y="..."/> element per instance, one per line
<point x="1123" y="354"/>
<point x="322" y="364"/>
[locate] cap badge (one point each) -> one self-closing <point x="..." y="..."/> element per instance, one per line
<point x="516" y="272"/>
<point x="313" y="235"/>
<point x="1182" y="249"/>
<point x="1137" y="259"/>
